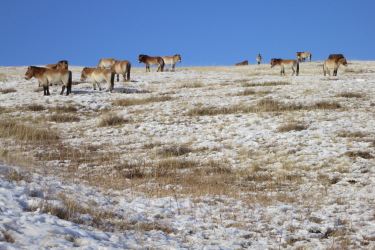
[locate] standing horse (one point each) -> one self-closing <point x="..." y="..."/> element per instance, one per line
<point x="148" y="60"/>
<point x="293" y="64"/>
<point x="60" y="65"/>
<point x="171" y="60"/>
<point x="242" y="63"/>
<point x="259" y="59"/>
<point x="123" y="68"/>
<point x="51" y="76"/>
<point x="333" y="64"/>
<point x="98" y="76"/>
<point x="301" y="56"/>
<point x="106" y="63"/>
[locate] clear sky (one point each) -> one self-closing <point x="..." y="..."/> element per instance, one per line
<point x="204" y="32"/>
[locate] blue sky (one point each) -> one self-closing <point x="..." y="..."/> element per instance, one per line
<point x="204" y="32"/>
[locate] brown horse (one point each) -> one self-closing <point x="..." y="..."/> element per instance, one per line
<point x="333" y="64"/>
<point x="51" y="76"/>
<point x="301" y="56"/>
<point x="98" y="76"/>
<point x="123" y="68"/>
<point x="336" y="56"/>
<point x="148" y="60"/>
<point x="106" y="63"/>
<point x="171" y="60"/>
<point x="60" y="65"/>
<point x="242" y="63"/>
<point x="285" y="63"/>
<point x="259" y="58"/>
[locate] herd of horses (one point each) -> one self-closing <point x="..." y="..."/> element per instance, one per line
<point x="107" y="69"/>
<point x="333" y="62"/>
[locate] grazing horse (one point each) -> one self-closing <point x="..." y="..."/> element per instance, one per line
<point x="123" y="68"/>
<point x="336" y="56"/>
<point x="106" y="63"/>
<point x="301" y="56"/>
<point x="259" y="58"/>
<point x="285" y="63"/>
<point x="242" y="63"/>
<point x="50" y="76"/>
<point x="333" y="64"/>
<point x="98" y="76"/>
<point x="148" y="60"/>
<point x="60" y="65"/>
<point x="171" y="60"/>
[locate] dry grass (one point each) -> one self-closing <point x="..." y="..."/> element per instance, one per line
<point x="8" y="90"/>
<point x="64" y="118"/>
<point x="113" y="120"/>
<point x="12" y="129"/>
<point x="264" y="84"/>
<point x="36" y="107"/>
<point x="264" y="105"/>
<point x="350" y="95"/>
<point x="132" y="102"/>
<point x="292" y="127"/>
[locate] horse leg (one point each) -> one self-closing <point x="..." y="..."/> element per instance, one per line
<point x="46" y="89"/>
<point x="62" y="90"/>
<point x="118" y="77"/>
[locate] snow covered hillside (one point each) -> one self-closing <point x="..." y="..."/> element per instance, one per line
<point x="200" y="158"/>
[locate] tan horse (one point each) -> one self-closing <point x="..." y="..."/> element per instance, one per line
<point x="148" y="60"/>
<point x="242" y="63"/>
<point x="106" y="63"/>
<point x="333" y="64"/>
<point x="293" y="64"/>
<point x="123" y="68"/>
<point x="60" y="65"/>
<point x="301" y="56"/>
<point x="259" y="58"/>
<point x="51" y="76"/>
<point x="171" y="60"/>
<point x="98" y="76"/>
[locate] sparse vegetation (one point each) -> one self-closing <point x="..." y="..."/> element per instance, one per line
<point x="203" y="139"/>
<point x="8" y="90"/>
<point x="112" y="120"/>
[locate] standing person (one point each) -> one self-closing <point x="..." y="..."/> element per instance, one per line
<point x="259" y="59"/>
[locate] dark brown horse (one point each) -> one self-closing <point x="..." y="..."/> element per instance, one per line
<point x="336" y="56"/>
<point x="242" y="63"/>
<point x="148" y="60"/>
<point x="51" y="76"/>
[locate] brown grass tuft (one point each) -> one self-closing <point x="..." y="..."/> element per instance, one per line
<point x="64" y="118"/>
<point x="292" y="127"/>
<point x="132" y="102"/>
<point x="113" y="120"/>
<point x="12" y="129"/>
<point x="8" y="90"/>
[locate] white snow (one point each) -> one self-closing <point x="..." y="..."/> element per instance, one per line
<point x="331" y="206"/>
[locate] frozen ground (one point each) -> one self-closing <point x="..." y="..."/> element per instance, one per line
<point x="325" y="200"/>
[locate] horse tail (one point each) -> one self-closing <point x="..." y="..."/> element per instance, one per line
<point x="162" y="63"/>
<point x="112" y="81"/>
<point x="69" y="87"/>
<point x="128" y="67"/>
<point x="297" y="69"/>
<point x="310" y="57"/>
